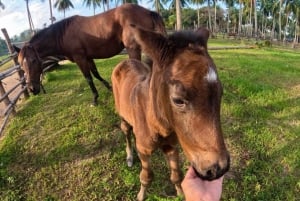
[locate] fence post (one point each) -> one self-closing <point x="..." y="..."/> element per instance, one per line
<point x="15" y="59"/>
<point x="6" y="100"/>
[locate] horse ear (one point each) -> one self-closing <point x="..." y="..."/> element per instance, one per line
<point x="17" y="49"/>
<point x="204" y="34"/>
<point x="151" y="43"/>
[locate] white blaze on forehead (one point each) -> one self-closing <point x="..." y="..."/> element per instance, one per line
<point x="211" y="75"/>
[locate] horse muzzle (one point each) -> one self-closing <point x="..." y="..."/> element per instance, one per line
<point x="213" y="171"/>
<point x="34" y="90"/>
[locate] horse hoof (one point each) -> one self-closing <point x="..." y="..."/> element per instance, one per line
<point x="95" y="103"/>
<point x="129" y="162"/>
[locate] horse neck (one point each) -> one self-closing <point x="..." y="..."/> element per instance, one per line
<point x="160" y="108"/>
<point x="45" y="48"/>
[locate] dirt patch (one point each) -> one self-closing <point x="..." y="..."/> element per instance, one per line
<point x="8" y="83"/>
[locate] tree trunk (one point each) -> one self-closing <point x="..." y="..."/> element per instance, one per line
<point x="285" y="28"/>
<point x="255" y="20"/>
<point x="209" y="15"/>
<point x="215" y="20"/>
<point x="31" y="27"/>
<point x="228" y="19"/>
<point x="273" y="28"/>
<point x="250" y="18"/>
<point x="178" y="15"/>
<point x="240" y="18"/>
<point x="279" y="20"/>
<point x="51" y="14"/>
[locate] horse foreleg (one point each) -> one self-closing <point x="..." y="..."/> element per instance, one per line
<point x="85" y="66"/>
<point x="172" y="157"/>
<point x="97" y="75"/>
<point x="126" y="128"/>
<point x="146" y="176"/>
<point x="89" y="79"/>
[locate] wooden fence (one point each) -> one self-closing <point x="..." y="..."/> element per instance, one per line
<point x="10" y="95"/>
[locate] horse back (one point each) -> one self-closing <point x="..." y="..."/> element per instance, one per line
<point x="134" y="14"/>
<point x="130" y="81"/>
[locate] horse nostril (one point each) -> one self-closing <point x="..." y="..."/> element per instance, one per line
<point x="209" y="173"/>
<point x="214" y="172"/>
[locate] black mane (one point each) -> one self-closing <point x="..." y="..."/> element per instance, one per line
<point x="182" y="39"/>
<point x="55" y="31"/>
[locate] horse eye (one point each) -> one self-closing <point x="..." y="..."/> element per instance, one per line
<point x="179" y="102"/>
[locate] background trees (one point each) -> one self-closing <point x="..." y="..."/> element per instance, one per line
<point x="267" y="19"/>
<point x="2" y="5"/>
<point x="63" y="5"/>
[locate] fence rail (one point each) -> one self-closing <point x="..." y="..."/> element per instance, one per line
<point x="10" y="96"/>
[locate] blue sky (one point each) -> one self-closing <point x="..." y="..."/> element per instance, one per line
<point x="14" y="16"/>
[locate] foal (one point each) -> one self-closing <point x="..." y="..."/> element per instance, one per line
<point x="177" y="100"/>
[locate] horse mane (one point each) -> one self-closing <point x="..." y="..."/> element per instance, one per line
<point x="182" y="39"/>
<point x="56" y="30"/>
<point x="157" y="21"/>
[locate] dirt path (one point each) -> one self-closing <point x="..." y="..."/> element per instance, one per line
<point x="8" y="83"/>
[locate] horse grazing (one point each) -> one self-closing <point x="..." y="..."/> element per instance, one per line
<point x="82" y="39"/>
<point x="176" y="100"/>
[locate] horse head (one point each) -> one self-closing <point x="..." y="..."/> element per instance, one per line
<point x="32" y="67"/>
<point x="186" y="94"/>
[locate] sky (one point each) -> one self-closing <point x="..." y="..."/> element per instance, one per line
<point x="14" y="16"/>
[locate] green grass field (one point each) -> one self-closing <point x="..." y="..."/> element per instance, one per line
<point x="59" y="147"/>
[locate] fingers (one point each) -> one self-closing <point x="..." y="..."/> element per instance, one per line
<point x="190" y="174"/>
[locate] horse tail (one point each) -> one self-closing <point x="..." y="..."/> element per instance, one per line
<point x="158" y="23"/>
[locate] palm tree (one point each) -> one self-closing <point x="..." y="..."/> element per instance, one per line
<point x="296" y="11"/>
<point x="52" y="18"/>
<point x="105" y="2"/>
<point x="241" y="3"/>
<point x="31" y="27"/>
<point x="157" y="4"/>
<point x="215" y="16"/>
<point x="178" y="15"/>
<point x="230" y="5"/>
<point x="130" y="1"/>
<point x="255" y="18"/>
<point x="178" y="5"/>
<point x="95" y="3"/>
<point x="265" y="10"/>
<point x="2" y="5"/>
<point x="198" y="2"/>
<point x="209" y="15"/>
<point x="279" y="21"/>
<point x="63" y="5"/>
<point x="275" y="14"/>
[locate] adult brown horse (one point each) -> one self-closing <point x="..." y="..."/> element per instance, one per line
<point x="177" y="99"/>
<point x="82" y="39"/>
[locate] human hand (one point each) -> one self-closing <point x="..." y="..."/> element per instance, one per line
<point x="196" y="189"/>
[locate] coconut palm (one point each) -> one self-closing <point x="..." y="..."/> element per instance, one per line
<point x="230" y="5"/>
<point x="31" y="26"/>
<point x="130" y="1"/>
<point x="157" y="4"/>
<point x="178" y="5"/>
<point x="63" y="5"/>
<point x="94" y="3"/>
<point x="198" y="3"/>
<point x="295" y="7"/>
<point x="52" y="18"/>
<point x="178" y="15"/>
<point x="2" y="5"/>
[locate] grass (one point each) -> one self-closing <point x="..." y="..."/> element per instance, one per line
<point x="6" y="65"/>
<point x="59" y="147"/>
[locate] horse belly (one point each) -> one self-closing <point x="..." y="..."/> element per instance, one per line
<point x="129" y="88"/>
